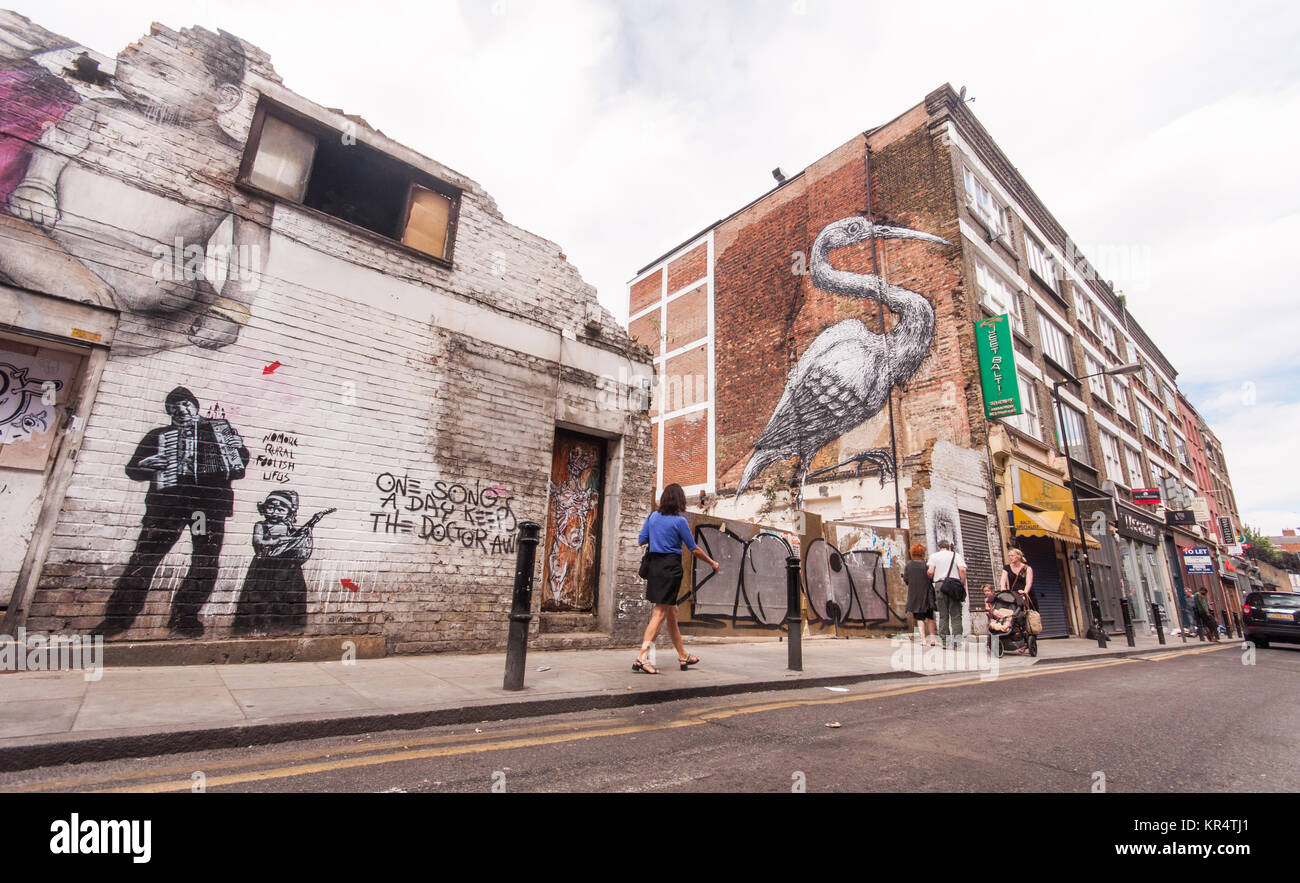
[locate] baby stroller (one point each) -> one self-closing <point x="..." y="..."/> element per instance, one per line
<point x="1009" y="625"/>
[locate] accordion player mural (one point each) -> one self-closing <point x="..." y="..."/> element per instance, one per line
<point x="190" y="466"/>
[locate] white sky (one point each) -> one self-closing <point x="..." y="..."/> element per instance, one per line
<point x="1163" y="133"/>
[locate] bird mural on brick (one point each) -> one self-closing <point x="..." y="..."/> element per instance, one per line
<point x="845" y="377"/>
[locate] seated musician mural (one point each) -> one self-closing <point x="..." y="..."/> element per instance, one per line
<point x="189" y="466"/>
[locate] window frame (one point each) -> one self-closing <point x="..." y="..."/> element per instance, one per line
<point x="1029" y="416"/>
<point x="1013" y="299"/>
<point x="1044" y="322"/>
<point x="1115" y="465"/>
<point x="1000" y="228"/>
<point x="414" y="176"/>
<point x="1133" y="458"/>
<point x="1037" y="254"/>
<point x="1063" y="440"/>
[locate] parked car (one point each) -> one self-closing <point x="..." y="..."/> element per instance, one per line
<point x="1271" y="616"/>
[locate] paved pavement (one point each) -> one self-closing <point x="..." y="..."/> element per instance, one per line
<point x="61" y="717"/>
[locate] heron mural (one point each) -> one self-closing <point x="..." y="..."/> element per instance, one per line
<point x="845" y="377"/>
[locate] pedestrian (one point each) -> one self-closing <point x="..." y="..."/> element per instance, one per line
<point x="1204" y="616"/>
<point x="1018" y="577"/>
<point x="920" y="593"/>
<point x="667" y="533"/>
<point x="943" y="565"/>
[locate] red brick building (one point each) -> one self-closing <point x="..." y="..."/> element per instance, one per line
<point x="775" y="364"/>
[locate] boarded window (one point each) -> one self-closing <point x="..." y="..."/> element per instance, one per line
<point x="283" y="160"/>
<point x="427" y="220"/>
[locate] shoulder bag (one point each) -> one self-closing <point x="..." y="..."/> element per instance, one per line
<point x="1033" y="619"/>
<point x="953" y="588"/>
<point x="644" y="571"/>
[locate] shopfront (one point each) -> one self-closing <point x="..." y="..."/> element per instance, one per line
<point x="1138" y="543"/>
<point x="1042" y="528"/>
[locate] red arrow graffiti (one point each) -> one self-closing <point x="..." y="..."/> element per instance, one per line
<point x="349" y="584"/>
<point x="270" y="369"/>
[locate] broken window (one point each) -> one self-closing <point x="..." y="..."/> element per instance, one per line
<point x="330" y="172"/>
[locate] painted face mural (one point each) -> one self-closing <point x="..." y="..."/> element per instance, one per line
<point x="845" y="377"/>
<point x="186" y="270"/>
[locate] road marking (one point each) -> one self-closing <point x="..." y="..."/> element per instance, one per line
<point x="691" y="719"/>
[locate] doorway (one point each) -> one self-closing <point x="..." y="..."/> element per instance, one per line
<point x="575" y="513"/>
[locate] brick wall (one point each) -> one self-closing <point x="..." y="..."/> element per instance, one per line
<point x="418" y="401"/>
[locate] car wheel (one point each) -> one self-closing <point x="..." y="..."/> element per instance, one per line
<point x="1260" y="643"/>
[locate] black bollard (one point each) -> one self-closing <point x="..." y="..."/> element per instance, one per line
<point x="521" y="614"/>
<point x="793" y="614"/>
<point x="1128" y="621"/>
<point x="1160" y="625"/>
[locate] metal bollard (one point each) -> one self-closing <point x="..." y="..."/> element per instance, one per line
<point x="1160" y="625"/>
<point x="1128" y="621"/>
<point x="521" y="614"/>
<point x="793" y="614"/>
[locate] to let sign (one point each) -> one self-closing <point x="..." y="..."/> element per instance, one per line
<point x="997" y="361"/>
<point x="1198" y="560"/>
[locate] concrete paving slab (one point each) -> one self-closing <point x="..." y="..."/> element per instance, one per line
<point x="114" y="709"/>
<point x="50" y="685"/>
<point x="269" y="703"/>
<point x="277" y="674"/>
<point x="33" y="717"/>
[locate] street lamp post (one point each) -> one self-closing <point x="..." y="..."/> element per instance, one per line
<point x="1074" y="492"/>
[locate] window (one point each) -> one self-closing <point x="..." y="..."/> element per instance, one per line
<point x="986" y="208"/>
<point x="1110" y="454"/>
<point x="1056" y="343"/>
<point x="1170" y="401"/>
<point x="1096" y="382"/>
<point x="1041" y="263"/>
<point x="1135" y="476"/>
<point x="1180" y="444"/>
<point x="1027" y="421"/>
<point x="997" y="295"/>
<point x="1084" y="308"/>
<point x="1119" y="388"/>
<point x="1144" y="415"/>
<point x="1107" y="332"/>
<point x="301" y="161"/>
<point x="1162" y="434"/>
<point x="1074" y="434"/>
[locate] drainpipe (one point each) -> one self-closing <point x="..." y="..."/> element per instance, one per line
<point x="875" y="269"/>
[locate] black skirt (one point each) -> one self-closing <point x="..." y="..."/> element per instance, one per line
<point x="665" y="578"/>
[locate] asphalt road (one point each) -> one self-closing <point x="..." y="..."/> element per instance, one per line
<point x="1197" y="722"/>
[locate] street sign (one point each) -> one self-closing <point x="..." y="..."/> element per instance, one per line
<point x="1198" y="560"/>
<point x="1146" y="496"/>
<point x="997" y="360"/>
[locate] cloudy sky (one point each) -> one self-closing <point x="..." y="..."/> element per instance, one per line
<point x="1161" y="134"/>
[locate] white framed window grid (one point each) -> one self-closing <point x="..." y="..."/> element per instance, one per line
<point x="998" y="296"/>
<point x="1056" y="343"/>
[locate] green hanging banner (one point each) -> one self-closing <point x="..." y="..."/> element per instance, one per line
<point x="998" y="367"/>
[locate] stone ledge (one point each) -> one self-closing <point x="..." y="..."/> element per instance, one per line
<point x="318" y="648"/>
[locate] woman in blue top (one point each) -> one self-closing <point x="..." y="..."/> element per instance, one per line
<point x="667" y="532"/>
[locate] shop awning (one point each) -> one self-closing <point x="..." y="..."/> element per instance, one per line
<point x="1049" y="523"/>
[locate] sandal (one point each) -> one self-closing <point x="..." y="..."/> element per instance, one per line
<point x="688" y="661"/>
<point x="644" y="668"/>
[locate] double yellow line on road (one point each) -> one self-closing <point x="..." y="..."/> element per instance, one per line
<point x="306" y="763"/>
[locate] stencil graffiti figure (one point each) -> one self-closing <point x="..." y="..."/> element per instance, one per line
<point x="189" y="466"/>
<point x="845" y="377"/>
<point x="274" y="597"/>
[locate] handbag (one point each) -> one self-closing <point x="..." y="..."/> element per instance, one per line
<point x="644" y="570"/>
<point x="953" y="588"/>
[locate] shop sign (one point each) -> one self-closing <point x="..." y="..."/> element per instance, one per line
<point x="1180" y="517"/>
<point x="1146" y="496"/>
<point x="1138" y="528"/>
<point x="1202" y="510"/>
<point x="997" y="360"/>
<point x="1043" y="493"/>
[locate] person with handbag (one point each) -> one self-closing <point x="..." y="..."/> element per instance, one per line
<point x="921" y="601"/>
<point x="1018" y="577"/>
<point x="949" y="590"/>
<point x="664" y="534"/>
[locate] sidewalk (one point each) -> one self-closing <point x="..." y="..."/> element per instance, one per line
<point x="61" y="717"/>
